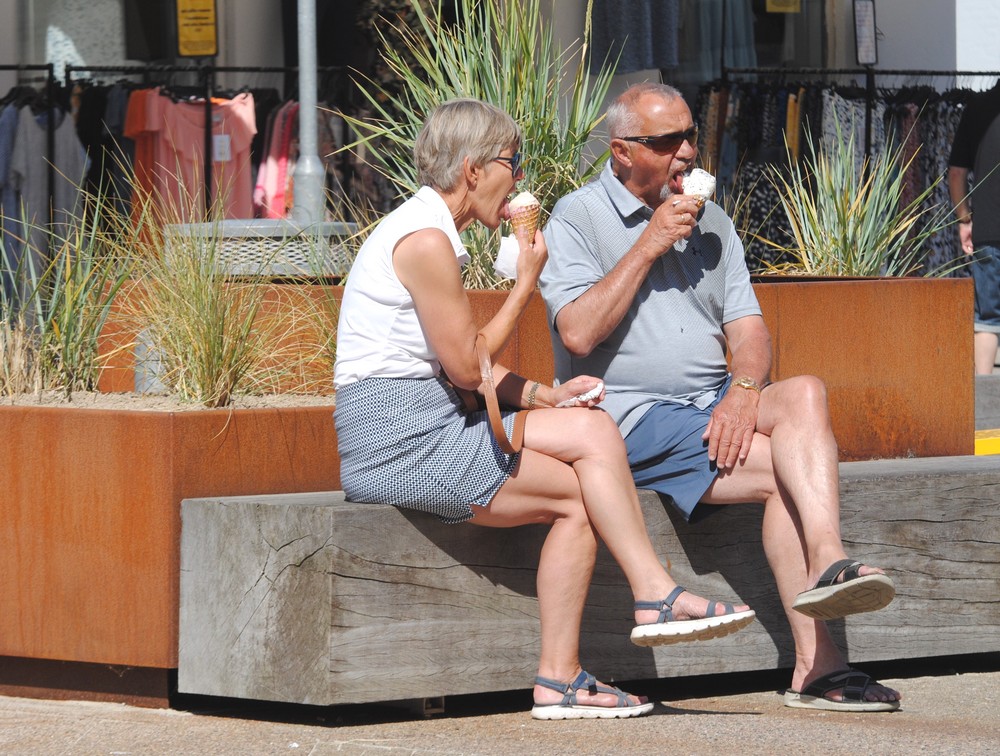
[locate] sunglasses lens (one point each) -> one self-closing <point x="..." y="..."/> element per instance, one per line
<point x="515" y="163"/>
<point x="673" y="142"/>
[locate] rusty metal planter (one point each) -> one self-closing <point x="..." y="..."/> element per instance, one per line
<point x="529" y="350"/>
<point x="90" y="533"/>
<point x="895" y="354"/>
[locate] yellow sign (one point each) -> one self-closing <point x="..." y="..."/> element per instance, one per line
<point x="784" y="6"/>
<point x="196" y="29"/>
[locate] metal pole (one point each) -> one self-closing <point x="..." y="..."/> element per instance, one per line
<point x="309" y="200"/>
<point x="869" y="109"/>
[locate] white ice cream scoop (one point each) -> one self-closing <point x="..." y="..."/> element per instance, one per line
<point x="523" y="199"/>
<point x="700" y="184"/>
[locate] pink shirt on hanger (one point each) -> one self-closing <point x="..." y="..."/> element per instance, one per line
<point x="179" y="148"/>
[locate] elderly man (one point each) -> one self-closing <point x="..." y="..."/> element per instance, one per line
<point x="648" y="288"/>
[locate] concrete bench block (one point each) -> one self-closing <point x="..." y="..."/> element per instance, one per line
<point x="988" y="402"/>
<point x="311" y="599"/>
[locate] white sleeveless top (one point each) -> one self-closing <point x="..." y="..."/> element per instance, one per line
<point x="378" y="333"/>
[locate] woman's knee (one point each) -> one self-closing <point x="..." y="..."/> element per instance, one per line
<point x="598" y="432"/>
<point x="569" y="511"/>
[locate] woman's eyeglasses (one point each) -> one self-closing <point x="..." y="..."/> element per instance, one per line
<point x="514" y="162"/>
<point x="666" y="142"/>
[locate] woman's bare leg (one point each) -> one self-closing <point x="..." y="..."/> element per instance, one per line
<point x="589" y="440"/>
<point x="544" y="490"/>
<point x="574" y="475"/>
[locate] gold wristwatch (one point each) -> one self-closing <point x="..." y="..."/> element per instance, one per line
<point x="747" y="383"/>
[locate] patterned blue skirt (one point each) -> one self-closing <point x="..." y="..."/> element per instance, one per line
<point x="407" y="442"/>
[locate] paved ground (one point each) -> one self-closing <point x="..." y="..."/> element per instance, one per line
<point x="953" y="709"/>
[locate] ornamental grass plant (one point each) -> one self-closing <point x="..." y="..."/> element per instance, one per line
<point x="500" y="52"/>
<point x="199" y="332"/>
<point x="847" y="220"/>
<point x="211" y="335"/>
<point x="55" y="302"/>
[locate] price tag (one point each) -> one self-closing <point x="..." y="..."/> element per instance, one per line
<point x="222" y="148"/>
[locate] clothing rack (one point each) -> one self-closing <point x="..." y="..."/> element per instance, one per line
<point x="870" y="75"/>
<point x="147" y="72"/>
<point x="206" y="76"/>
<point x="50" y="132"/>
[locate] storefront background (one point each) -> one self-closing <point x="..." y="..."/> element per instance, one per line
<point x="947" y="34"/>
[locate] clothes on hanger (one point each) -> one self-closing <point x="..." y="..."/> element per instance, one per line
<point x="148" y="141"/>
<point x="750" y="125"/>
<point x="11" y="232"/>
<point x="29" y="175"/>
<point x="170" y="154"/>
<point x="274" y="190"/>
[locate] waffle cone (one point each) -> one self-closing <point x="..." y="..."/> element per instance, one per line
<point x="524" y="221"/>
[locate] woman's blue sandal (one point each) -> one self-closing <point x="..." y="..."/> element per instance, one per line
<point x="667" y="630"/>
<point x="569" y="708"/>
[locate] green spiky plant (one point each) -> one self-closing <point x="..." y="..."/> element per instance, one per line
<point x="206" y="335"/>
<point x="500" y="52"/>
<point x="197" y="323"/>
<point x="849" y="218"/>
<point x="59" y="299"/>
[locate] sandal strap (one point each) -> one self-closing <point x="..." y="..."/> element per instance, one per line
<point x="849" y="567"/>
<point x="713" y="607"/>
<point x="851" y="682"/>
<point x="665" y="606"/>
<point x="584" y="680"/>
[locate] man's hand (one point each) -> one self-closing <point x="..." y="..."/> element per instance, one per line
<point x="731" y="427"/>
<point x="672" y="221"/>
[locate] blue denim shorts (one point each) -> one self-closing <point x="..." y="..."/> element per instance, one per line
<point x="985" y="270"/>
<point x="667" y="454"/>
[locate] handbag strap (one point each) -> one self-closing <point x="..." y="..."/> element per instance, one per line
<point x="516" y="441"/>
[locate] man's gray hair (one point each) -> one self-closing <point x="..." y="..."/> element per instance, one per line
<point x="459" y="129"/>
<point x="621" y="118"/>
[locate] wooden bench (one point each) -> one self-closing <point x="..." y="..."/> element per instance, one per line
<point x="308" y="598"/>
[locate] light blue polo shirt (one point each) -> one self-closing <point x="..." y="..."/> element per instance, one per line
<point x="670" y="346"/>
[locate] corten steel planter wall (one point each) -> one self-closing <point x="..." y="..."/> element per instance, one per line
<point x="90" y="532"/>
<point x="895" y="354"/>
<point x="529" y="351"/>
<point x="312" y="374"/>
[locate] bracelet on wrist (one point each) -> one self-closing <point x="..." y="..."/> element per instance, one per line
<point x="531" y="395"/>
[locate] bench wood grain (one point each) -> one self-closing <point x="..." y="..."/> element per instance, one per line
<point x="311" y="599"/>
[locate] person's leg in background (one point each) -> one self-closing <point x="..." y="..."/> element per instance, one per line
<point x="985" y="270"/>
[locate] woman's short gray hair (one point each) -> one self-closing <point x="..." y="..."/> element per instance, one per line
<point x="459" y="129"/>
<point x="621" y="117"/>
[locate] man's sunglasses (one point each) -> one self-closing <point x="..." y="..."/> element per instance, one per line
<point x="514" y="162"/>
<point x="666" y="142"/>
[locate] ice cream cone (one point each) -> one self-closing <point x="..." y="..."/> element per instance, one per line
<point x="700" y="184"/>
<point x="524" y="221"/>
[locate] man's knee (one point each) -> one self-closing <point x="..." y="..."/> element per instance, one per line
<point x="807" y="394"/>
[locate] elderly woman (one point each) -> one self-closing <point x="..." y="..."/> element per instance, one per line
<point x="406" y="440"/>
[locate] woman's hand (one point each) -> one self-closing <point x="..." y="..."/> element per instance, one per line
<point x="531" y="259"/>
<point x="582" y="391"/>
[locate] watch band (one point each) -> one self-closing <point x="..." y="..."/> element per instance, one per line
<point x="746" y="382"/>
